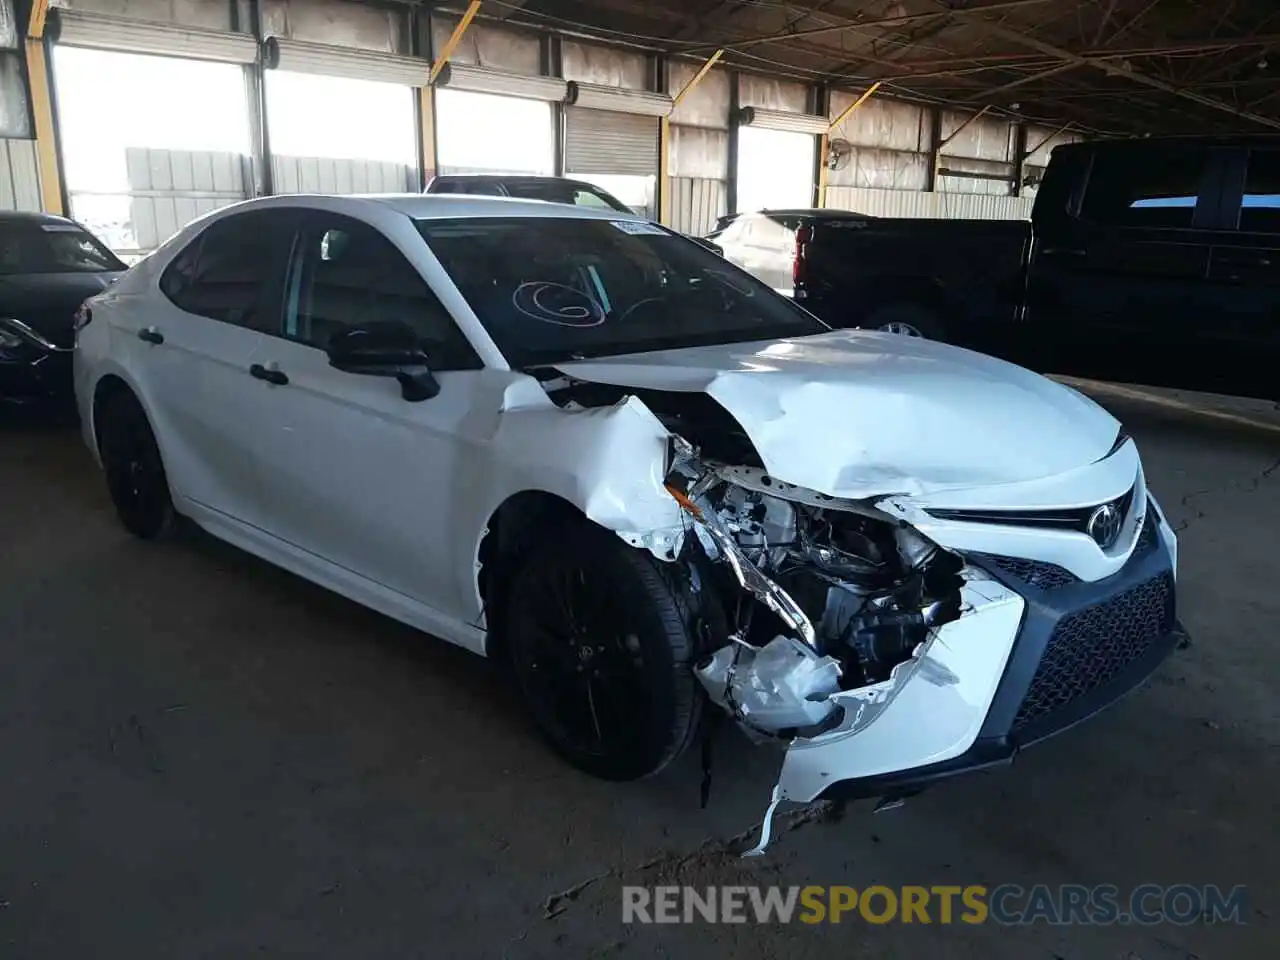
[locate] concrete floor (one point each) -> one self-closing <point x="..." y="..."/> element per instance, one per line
<point x="202" y="756"/>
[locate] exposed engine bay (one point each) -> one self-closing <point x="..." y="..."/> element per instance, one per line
<point x="845" y="592"/>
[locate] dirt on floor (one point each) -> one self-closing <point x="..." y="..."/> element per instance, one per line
<point x="203" y="756"/>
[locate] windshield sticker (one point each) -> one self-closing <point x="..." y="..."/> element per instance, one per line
<point x="557" y="304"/>
<point x="638" y="228"/>
<point x="59" y="228"/>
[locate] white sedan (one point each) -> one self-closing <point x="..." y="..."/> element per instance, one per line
<point x="579" y="442"/>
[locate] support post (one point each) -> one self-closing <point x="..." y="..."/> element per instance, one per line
<point x="1019" y="158"/>
<point x="664" y="137"/>
<point x="935" y="137"/>
<point x="824" y="145"/>
<point x="264" y="183"/>
<point x="41" y="94"/>
<point x="731" y="178"/>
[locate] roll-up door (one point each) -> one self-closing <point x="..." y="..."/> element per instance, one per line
<point x="605" y="142"/>
<point x="341" y="120"/>
<point x="495" y="121"/>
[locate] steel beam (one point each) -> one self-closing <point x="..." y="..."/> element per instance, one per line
<point x="860" y="25"/>
<point x="664" y="140"/>
<point x="452" y="43"/>
<point x="1014" y="84"/>
<point x="1053" y="50"/>
<point x="824" y="144"/>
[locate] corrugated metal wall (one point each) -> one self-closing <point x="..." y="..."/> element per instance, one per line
<point x="699" y="165"/>
<point x="170" y="188"/>
<point x="326" y="175"/>
<point x="19" y="175"/>
<point x="916" y="203"/>
<point x="696" y="202"/>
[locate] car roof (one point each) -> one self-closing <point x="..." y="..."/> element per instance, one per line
<point x="510" y="178"/>
<point x="437" y="206"/>
<point x="29" y="216"/>
<point x="814" y="213"/>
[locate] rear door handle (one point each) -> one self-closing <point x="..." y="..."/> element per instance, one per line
<point x="1064" y="251"/>
<point x="151" y="335"/>
<point x="259" y="372"/>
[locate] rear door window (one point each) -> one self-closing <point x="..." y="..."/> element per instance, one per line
<point x="1152" y="188"/>
<point x="232" y="270"/>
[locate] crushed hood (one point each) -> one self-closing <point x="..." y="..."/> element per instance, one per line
<point x="857" y="413"/>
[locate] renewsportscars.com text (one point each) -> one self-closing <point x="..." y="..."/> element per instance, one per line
<point x="1008" y="904"/>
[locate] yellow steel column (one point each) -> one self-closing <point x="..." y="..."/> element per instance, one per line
<point x="664" y="140"/>
<point x="452" y="43"/>
<point x="824" y="145"/>
<point x="46" y="142"/>
<point x="42" y="110"/>
<point x="427" y="124"/>
<point x="427" y="97"/>
<point x="664" y="167"/>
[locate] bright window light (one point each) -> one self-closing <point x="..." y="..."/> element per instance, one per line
<point x="484" y="133"/>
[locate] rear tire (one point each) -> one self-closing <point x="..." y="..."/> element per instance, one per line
<point x="601" y="649"/>
<point x="134" y="470"/>
<point x="907" y="319"/>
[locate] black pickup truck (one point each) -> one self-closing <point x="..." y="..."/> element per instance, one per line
<point x="1147" y="261"/>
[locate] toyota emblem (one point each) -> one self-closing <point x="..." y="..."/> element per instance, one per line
<point x="1104" y="525"/>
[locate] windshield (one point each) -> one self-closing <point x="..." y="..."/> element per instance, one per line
<point x="36" y="246"/>
<point x="550" y="290"/>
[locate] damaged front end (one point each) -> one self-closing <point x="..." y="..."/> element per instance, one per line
<point x="849" y="593"/>
<point x="833" y="610"/>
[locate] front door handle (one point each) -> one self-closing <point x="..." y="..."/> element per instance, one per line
<point x="151" y="335"/>
<point x="259" y="372"/>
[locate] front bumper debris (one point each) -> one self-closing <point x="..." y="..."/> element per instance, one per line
<point x="1028" y="658"/>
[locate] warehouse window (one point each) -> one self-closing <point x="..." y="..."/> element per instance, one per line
<point x="775" y="169"/>
<point x="149" y="143"/>
<point x="1260" y="206"/>
<point x="484" y="133"/>
<point x="1137" y="188"/>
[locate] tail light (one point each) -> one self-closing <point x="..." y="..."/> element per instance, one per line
<point x="800" y="260"/>
<point x="82" y="318"/>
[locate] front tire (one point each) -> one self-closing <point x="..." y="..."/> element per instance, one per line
<point x="134" y="470"/>
<point x="601" y="650"/>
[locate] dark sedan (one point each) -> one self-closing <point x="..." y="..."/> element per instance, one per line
<point x="48" y="266"/>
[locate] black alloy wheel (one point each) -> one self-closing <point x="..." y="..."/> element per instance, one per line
<point x="602" y="655"/>
<point x="134" y="471"/>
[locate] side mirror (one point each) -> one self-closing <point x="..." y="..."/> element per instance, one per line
<point x="385" y="350"/>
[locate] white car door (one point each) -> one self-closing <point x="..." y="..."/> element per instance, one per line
<point x="359" y="476"/>
<point x="195" y="357"/>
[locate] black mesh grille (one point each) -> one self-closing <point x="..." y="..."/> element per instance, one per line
<point x="1092" y="646"/>
<point x="1036" y="573"/>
